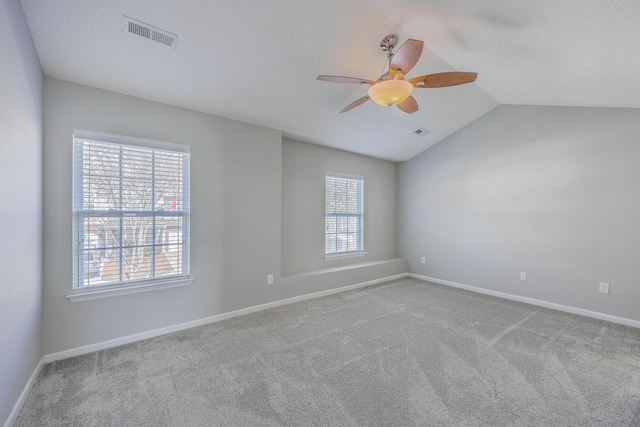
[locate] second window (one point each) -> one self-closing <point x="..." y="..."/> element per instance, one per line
<point x="344" y="214"/>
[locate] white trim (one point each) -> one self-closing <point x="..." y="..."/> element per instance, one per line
<point x="533" y="301"/>
<point x="207" y="320"/>
<point x="90" y="135"/>
<point x="341" y="255"/>
<point x="114" y="291"/>
<point x="328" y="270"/>
<point x="344" y="175"/>
<point x="23" y="396"/>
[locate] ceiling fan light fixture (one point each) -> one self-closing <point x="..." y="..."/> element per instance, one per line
<point x="390" y="92"/>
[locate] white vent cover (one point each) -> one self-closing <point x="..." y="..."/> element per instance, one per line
<point x="144" y="31"/>
<point x="421" y="132"/>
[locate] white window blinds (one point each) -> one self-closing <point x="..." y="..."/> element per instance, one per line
<point x="344" y="214"/>
<point x="131" y="211"/>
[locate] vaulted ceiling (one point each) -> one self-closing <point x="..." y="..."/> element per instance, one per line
<point x="257" y="61"/>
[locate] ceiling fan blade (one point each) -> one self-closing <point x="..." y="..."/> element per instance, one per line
<point x="406" y="57"/>
<point x="340" y="79"/>
<point x="409" y="105"/>
<point x="356" y="103"/>
<point x="452" y="78"/>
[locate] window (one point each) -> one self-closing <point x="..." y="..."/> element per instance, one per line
<point x="130" y="209"/>
<point x="344" y="215"/>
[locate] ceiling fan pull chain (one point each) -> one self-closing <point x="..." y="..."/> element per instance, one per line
<point x="384" y="65"/>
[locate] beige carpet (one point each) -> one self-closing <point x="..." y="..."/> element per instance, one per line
<point x="403" y="353"/>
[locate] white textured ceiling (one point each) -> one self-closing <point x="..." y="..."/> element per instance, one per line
<point x="257" y="61"/>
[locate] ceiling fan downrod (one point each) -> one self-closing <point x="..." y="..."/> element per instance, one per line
<point x="387" y="44"/>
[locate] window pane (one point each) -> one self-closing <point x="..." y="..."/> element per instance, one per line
<point x="137" y="230"/>
<point x="92" y="233"/>
<point x="91" y="266"/>
<point x="168" y="231"/>
<point x="136" y="195"/>
<point x="342" y="224"/>
<point x="137" y="263"/>
<point x="341" y="242"/>
<point x="137" y="163"/>
<point x="341" y="196"/>
<point x="353" y="224"/>
<point x="169" y="260"/>
<point x="330" y="224"/>
<point x="111" y="267"/>
<point x="118" y="192"/>
<point x="101" y="159"/>
<point x="343" y="215"/>
<point x="352" y="196"/>
<point x="166" y="199"/>
<point x="168" y="183"/>
<point x="110" y="232"/>
<point x="351" y="242"/>
<point x="101" y="193"/>
<point x="330" y="243"/>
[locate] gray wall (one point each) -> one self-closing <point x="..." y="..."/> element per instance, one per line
<point x="236" y="203"/>
<point x="551" y="191"/>
<point x="235" y="222"/>
<point x="21" y="207"/>
<point x="304" y="167"/>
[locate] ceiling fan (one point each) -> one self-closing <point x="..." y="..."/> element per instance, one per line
<point x="392" y="88"/>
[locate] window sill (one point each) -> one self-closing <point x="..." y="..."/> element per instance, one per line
<point x="91" y="294"/>
<point x="330" y="257"/>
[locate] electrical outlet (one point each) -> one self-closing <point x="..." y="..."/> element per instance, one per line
<point x="269" y="279"/>
<point x="423" y="260"/>
<point x="523" y="275"/>
<point x="603" y="288"/>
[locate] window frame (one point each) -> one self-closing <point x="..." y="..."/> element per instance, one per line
<point x="81" y="291"/>
<point x="360" y="214"/>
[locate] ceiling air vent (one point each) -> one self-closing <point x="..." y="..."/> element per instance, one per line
<point x="421" y="132"/>
<point x="144" y="31"/>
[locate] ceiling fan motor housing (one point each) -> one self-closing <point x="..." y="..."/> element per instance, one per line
<point x="389" y="42"/>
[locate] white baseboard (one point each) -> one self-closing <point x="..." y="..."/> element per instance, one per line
<point x="219" y="317"/>
<point x="533" y="301"/>
<point x="23" y="396"/>
<point x="207" y="320"/>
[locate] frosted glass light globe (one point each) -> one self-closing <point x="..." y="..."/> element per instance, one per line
<point x="390" y="92"/>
